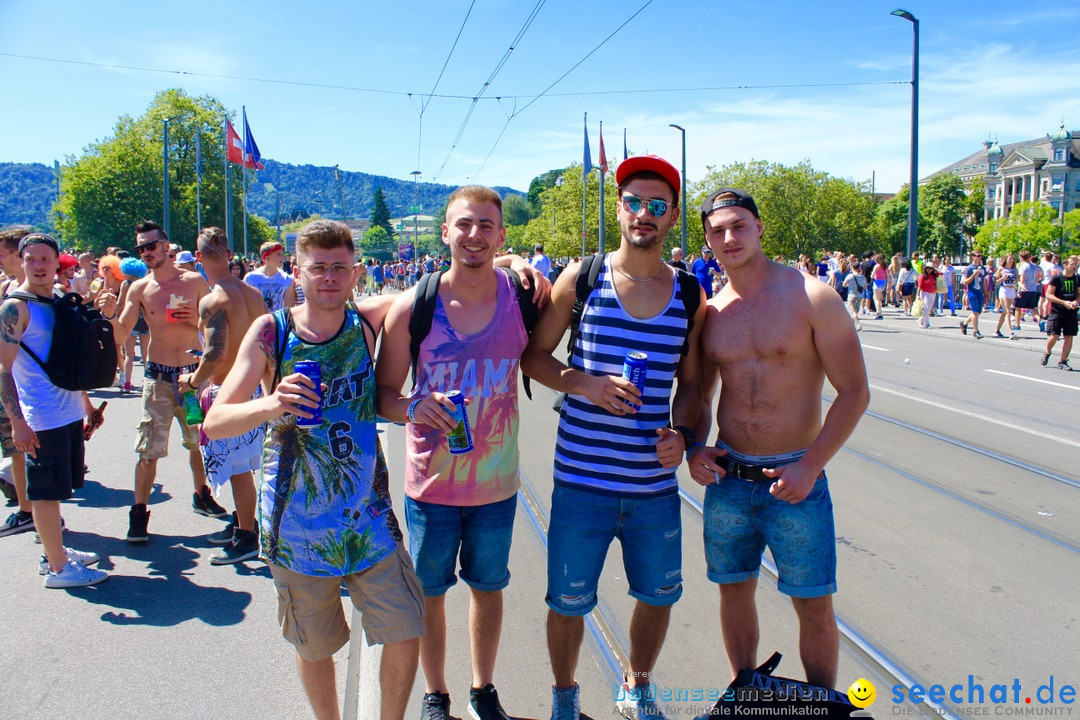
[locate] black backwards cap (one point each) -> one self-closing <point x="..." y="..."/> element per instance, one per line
<point x="38" y="239"/>
<point x="715" y="202"/>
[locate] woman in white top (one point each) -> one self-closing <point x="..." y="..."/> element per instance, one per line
<point x="1006" y="280"/>
<point x="905" y="284"/>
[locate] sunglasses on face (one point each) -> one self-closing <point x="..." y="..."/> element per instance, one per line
<point x="656" y="207"/>
<point x="147" y="247"/>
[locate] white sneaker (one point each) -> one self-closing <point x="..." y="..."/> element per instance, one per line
<point x="83" y="558"/>
<point x="74" y="575"/>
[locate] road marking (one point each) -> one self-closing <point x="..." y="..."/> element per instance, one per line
<point x="977" y="416"/>
<point x="1038" y="380"/>
<point x="875" y="347"/>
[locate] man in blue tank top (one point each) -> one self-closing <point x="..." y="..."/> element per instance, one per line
<point x="325" y="514"/>
<point x="616" y="455"/>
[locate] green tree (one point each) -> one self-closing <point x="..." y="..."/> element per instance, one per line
<point x="1030" y="225"/>
<point x="377" y="243"/>
<point x="558" y="227"/>
<point x="944" y="210"/>
<point x="516" y="211"/>
<point x="117" y="181"/>
<point x="380" y="213"/>
<point x="537" y="187"/>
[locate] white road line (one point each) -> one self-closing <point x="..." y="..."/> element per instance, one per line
<point x="1025" y="377"/>
<point x="875" y="347"/>
<point x="1002" y="423"/>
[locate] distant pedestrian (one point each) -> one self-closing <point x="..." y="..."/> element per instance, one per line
<point x="972" y="280"/>
<point x="1006" y="278"/>
<point x="1061" y="294"/>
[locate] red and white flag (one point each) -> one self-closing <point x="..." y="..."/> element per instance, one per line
<point x="603" y="155"/>
<point x="234" y="149"/>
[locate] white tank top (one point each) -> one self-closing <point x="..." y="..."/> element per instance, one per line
<point x="44" y="405"/>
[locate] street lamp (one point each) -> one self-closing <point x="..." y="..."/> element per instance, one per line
<point x="416" y="210"/>
<point x="555" y="206"/>
<point x="913" y="196"/>
<point x="682" y="202"/>
<point x="165" y="184"/>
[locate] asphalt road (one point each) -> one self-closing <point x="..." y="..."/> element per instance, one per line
<point x="958" y="547"/>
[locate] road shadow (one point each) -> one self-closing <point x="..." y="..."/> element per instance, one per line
<point x="167" y="596"/>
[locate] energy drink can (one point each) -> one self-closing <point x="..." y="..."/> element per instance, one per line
<point x="460" y="438"/>
<point x="635" y="368"/>
<point x="313" y="370"/>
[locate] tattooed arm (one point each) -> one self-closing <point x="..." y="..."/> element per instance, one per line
<point x="214" y="323"/>
<point x="13" y="318"/>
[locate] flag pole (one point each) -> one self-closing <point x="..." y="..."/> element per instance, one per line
<point x="228" y="183"/>
<point x="600" y="207"/>
<point x="198" y="178"/>
<point x="243" y="175"/>
<point x="586" y="168"/>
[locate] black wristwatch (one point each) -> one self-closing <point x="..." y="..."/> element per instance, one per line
<point x="689" y="438"/>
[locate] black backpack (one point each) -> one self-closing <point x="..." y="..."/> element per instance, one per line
<point x="427" y="292"/>
<point x="82" y="355"/>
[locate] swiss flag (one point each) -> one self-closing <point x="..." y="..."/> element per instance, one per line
<point x="234" y="149"/>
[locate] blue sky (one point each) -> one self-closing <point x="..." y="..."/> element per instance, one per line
<point x="779" y="81"/>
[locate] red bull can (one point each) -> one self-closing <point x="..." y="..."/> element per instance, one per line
<point x="313" y="370"/>
<point x="635" y="368"/>
<point x="460" y="438"/>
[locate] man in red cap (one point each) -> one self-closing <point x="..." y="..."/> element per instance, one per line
<point x="278" y="288"/>
<point x="616" y="456"/>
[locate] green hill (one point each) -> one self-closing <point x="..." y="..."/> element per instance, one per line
<point x="27" y="191"/>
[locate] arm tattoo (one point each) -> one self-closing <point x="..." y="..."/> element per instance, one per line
<point x="217" y="336"/>
<point x="267" y="339"/>
<point x="9" y="396"/>
<point x="9" y="321"/>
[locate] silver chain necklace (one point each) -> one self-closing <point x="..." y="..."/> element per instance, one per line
<point x="637" y="279"/>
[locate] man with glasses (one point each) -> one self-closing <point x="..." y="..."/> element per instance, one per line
<point x="616" y="456"/>
<point x="168" y="298"/>
<point x="771" y="338"/>
<point x="972" y="280"/>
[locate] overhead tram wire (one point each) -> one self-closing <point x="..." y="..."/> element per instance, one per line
<point x="560" y="79"/>
<point x="424" y="103"/>
<point x="487" y="83"/>
<point x="446" y="96"/>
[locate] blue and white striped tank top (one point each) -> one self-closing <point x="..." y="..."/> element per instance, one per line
<point x="611" y="454"/>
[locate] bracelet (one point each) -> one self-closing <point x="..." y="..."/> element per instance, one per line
<point x="412" y="409"/>
<point x="693" y="447"/>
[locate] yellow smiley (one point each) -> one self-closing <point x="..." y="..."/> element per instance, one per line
<point x="862" y="693"/>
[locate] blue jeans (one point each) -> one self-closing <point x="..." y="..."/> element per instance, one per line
<point x="583" y="524"/>
<point x="742" y="518"/>
<point x="480" y="533"/>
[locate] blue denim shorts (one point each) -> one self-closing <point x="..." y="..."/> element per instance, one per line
<point x="975" y="301"/>
<point x="583" y="524"/>
<point x="742" y="518"/>
<point x="480" y="534"/>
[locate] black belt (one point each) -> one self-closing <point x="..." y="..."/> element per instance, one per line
<point x="750" y="473"/>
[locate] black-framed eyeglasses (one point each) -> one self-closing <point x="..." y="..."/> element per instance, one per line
<point x="656" y="207"/>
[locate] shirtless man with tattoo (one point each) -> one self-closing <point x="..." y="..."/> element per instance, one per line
<point x="772" y="336"/>
<point x="169" y="298"/>
<point x="224" y="317"/>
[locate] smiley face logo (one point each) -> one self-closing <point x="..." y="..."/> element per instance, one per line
<point x="862" y="693"/>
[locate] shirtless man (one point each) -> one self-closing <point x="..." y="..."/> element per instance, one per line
<point x="772" y="335"/>
<point x="224" y="317"/>
<point x="168" y="298"/>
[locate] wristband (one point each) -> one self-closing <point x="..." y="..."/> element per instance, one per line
<point x="693" y="447"/>
<point x="689" y="438"/>
<point x="412" y="409"/>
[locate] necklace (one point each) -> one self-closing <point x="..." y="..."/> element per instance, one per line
<point x="637" y="279"/>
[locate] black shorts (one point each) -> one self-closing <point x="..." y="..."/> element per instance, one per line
<point x="58" y="468"/>
<point x="907" y="289"/>
<point x="1061" y="323"/>
<point x="1026" y="300"/>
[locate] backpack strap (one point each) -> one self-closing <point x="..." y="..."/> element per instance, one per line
<point x="529" y="316"/>
<point x="427" y="294"/>
<point x="690" y="290"/>
<point x="587" y="274"/>
<point x="31" y="297"/>
<point x="283" y="326"/>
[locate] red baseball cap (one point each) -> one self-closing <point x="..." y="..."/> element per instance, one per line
<point x="650" y="163"/>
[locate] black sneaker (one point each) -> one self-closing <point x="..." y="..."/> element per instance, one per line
<point x="1064" y="365"/>
<point x="1046" y="358"/>
<point x="484" y="704"/>
<point x="203" y="503"/>
<point x="17" y="522"/>
<point x="436" y="706"/>
<point x="138" y="519"/>
<point x="223" y="537"/>
<point x="963" y="328"/>
<point x="244" y="546"/>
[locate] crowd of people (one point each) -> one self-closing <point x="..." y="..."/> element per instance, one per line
<point x="239" y="338"/>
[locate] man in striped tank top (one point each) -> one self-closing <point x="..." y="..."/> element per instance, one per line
<point x="772" y="336"/>
<point x="616" y="454"/>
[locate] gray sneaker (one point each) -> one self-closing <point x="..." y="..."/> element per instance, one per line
<point x="17" y="522"/>
<point x="74" y="575"/>
<point x="638" y="703"/>
<point x="566" y="703"/>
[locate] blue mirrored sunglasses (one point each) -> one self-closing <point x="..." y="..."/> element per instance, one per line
<point x="656" y="207"/>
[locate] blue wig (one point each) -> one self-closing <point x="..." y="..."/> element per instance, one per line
<point x="133" y="266"/>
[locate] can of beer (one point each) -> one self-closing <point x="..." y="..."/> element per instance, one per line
<point x="635" y="368"/>
<point x="460" y="438"/>
<point x="313" y="370"/>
